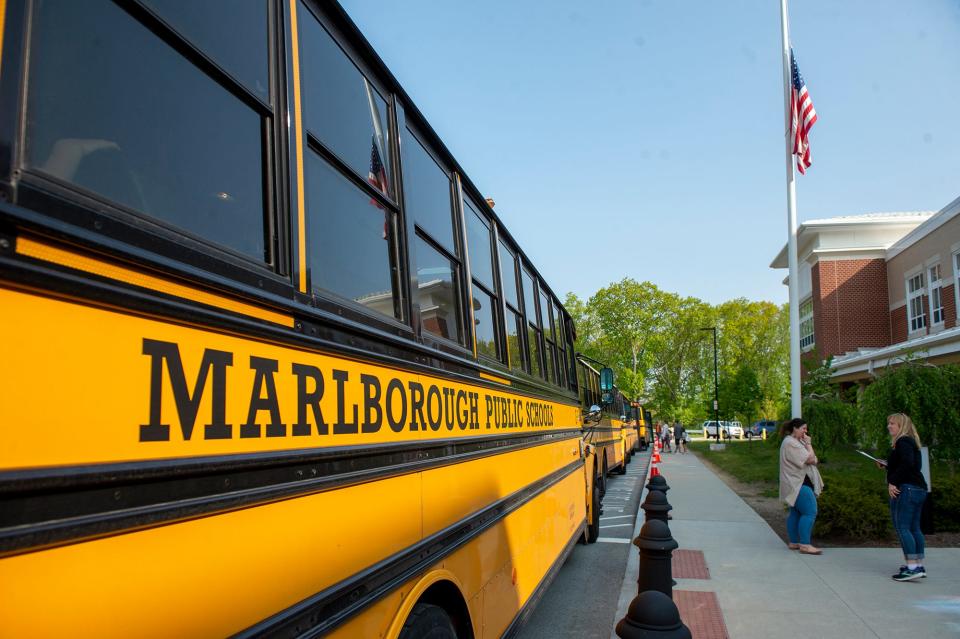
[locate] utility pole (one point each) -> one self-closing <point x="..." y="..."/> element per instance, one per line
<point x="716" y="381"/>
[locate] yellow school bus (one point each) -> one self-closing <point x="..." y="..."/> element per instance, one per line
<point x="603" y="427"/>
<point x="273" y="366"/>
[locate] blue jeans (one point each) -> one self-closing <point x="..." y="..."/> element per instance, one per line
<point x="802" y="515"/>
<point x="905" y="513"/>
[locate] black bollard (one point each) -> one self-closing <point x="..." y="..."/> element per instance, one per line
<point x="656" y="546"/>
<point x="652" y="615"/>
<point x="656" y="506"/>
<point x="659" y="482"/>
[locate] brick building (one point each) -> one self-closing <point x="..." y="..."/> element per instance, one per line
<point x="878" y="288"/>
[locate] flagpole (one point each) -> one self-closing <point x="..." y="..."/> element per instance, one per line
<point x="791" y="220"/>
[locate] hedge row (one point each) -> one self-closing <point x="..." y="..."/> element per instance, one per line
<point x="930" y="395"/>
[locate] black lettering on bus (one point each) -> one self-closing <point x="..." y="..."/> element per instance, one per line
<point x="489" y="404"/>
<point x="342" y="426"/>
<point x="263" y="376"/>
<point x="505" y="412"/>
<point x="433" y="394"/>
<point x="474" y="411"/>
<point x="416" y="406"/>
<point x="395" y="385"/>
<point x="309" y="400"/>
<point x="462" y="413"/>
<point x="371" y="404"/>
<point x="188" y="404"/>
<point x="518" y="409"/>
<point x="448" y="415"/>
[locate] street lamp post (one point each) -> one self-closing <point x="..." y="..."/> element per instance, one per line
<point x="716" y="381"/>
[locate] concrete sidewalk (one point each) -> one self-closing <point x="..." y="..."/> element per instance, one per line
<point x="767" y="591"/>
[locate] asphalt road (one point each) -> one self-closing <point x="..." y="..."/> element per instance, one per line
<point x="582" y="601"/>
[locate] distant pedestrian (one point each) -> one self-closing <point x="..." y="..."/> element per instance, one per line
<point x="800" y="484"/>
<point x="908" y="490"/>
<point x="665" y="438"/>
<point x="679" y="437"/>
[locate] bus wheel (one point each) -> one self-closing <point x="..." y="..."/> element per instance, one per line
<point x="428" y="622"/>
<point x="593" y="528"/>
<point x="602" y="479"/>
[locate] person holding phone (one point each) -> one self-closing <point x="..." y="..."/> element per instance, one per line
<point x="800" y="484"/>
<point x="908" y="490"/>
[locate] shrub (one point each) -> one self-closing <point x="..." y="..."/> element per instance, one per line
<point x="930" y="395"/>
<point x="832" y="422"/>
<point x="853" y="507"/>
<point x="946" y="503"/>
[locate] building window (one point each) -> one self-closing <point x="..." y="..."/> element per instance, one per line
<point x="936" y="296"/>
<point x="956" y="285"/>
<point x="915" y="314"/>
<point x="806" y="324"/>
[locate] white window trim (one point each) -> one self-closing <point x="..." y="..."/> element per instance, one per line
<point x="921" y="293"/>
<point x="813" y="343"/>
<point x="956" y="284"/>
<point x="935" y="326"/>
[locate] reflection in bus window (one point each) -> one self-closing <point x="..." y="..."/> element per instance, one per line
<point x="437" y="292"/>
<point x="508" y="268"/>
<point x="148" y="131"/>
<point x="514" y="325"/>
<point x="342" y="109"/>
<point x="242" y="50"/>
<point x="427" y="191"/>
<point x="347" y="236"/>
<point x="478" y="243"/>
<point x="484" y="323"/>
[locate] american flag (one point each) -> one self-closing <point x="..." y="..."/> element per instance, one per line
<point x="377" y="177"/>
<point x="803" y="117"/>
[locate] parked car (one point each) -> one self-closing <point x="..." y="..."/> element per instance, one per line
<point x="734" y="429"/>
<point x="760" y="426"/>
<point x="727" y="429"/>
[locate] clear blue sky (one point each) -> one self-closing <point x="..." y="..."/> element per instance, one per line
<point x="658" y="125"/>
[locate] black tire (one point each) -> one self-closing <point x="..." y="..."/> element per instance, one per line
<point x="593" y="527"/>
<point x="427" y="621"/>
<point x="602" y="479"/>
<point x="748" y="435"/>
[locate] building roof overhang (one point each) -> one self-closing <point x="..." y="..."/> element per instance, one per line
<point x="896" y="225"/>
<point x="940" y="347"/>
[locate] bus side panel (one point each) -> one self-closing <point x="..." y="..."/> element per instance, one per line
<point x="511" y="559"/>
<point x="211" y="576"/>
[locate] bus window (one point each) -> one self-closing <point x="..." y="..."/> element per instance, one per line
<point x="242" y="50"/>
<point x="438" y="293"/>
<point x="342" y="109"/>
<point x="427" y="192"/>
<point x="150" y="132"/>
<point x="485" y="301"/>
<point x="511" y="298"/>
<point x="534" y="336"/>
<point x="349" y="229"/>
<point x="549" y="348"/>
<point x="348" y="247"/>
<point x="514" y="326"/>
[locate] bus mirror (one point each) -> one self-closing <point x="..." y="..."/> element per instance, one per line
<point x="606" y="380"/>
<point x="606" y="399"/>
<point x="593" y="415"/>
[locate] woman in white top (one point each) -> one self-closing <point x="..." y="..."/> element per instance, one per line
<point x="800" y="484"/>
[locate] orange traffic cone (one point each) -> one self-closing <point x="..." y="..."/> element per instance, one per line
<point x="656" y="457"/>
<point x="654" y="471"/>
